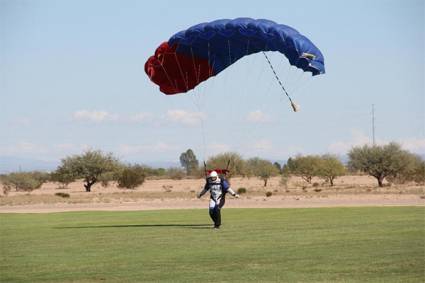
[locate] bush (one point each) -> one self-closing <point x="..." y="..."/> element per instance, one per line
<point x="62" y="176"/>
<point x="107" y="177"/>
<point x="269" y="194"/>
<point x="157" y="172"/>
<point x="236" y="164"/>
<point x="414" y="171"/>
<point x="284" y="180"/>
<point x="167" y="188"/>
<point x="63" y="195"/>
<point x="24" y="181"/>
<point x="175" y="173"/>
<point x="131" y="176"/>
<point x="241" y="191"/>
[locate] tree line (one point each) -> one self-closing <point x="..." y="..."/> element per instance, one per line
<point x="387" y="162"/>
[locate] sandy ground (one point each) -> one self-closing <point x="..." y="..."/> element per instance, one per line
<point x="181" y="194"/>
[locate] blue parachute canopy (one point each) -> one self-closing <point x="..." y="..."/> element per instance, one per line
<point x="223" y="42"/>
<point x="204" y="50"/>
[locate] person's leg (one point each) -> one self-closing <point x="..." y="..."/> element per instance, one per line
<point x="222" y="201"/>
<point x="218" y="213"/>
<point x="215" y="213"/>
<point x="212" y="211"/>
<point x="218" y="217"/>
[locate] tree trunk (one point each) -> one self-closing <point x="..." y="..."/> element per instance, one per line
<point x="265" y="182"/>
<point x="89" y="184"/>
<point x="331" y="180"/>
<point x="380" y="181"/>
<point x="88" y="187"/>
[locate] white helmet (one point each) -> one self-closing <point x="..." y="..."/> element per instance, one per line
<point x="213" y="174"/>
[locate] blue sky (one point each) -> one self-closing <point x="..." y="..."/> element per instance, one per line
<point x="72" y="79"/>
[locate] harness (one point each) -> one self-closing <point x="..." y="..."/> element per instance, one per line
<point x="218" y="190"/>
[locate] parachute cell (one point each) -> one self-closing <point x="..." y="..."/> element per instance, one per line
<point x="204" y="50"/>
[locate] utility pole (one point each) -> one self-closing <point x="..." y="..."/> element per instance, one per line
<point x="373" y="125"/>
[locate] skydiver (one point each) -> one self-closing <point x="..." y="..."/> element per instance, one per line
<point x="218" y="189"/>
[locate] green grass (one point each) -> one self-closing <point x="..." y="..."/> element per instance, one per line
<point x="254" y="245"/>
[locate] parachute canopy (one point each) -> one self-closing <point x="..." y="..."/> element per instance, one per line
<point x="192" y="56"/>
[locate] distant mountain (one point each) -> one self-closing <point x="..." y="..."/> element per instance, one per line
<point x="15" y="164"/>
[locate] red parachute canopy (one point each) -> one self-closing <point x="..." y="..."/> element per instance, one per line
<point x="176" y="72"/>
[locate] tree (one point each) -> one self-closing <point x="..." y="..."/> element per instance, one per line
<point x="278" y="166"/>
<point x="262" y="168"/>
<point x="90" y="166"/>
<point x="63" y="176"/>
<point x="189" y="162"/>
<point x="413" y="171"/>
<point x="379" y="161"/>
<point x="330" y="168"/>
<point x="304" y="166"/>
<point x="233" y="159"/>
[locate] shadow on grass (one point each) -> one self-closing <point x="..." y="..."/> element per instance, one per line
<point x="186" y="226"/>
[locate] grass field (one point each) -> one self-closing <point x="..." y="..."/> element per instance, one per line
<point x="254" y="245"/>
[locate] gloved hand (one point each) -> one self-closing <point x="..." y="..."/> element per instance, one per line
<point x="236" y="196"/>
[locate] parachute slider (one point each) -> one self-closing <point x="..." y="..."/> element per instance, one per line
<point x="294" y="106"/>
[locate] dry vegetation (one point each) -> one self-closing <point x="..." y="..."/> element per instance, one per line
<point x="166" y="193"/>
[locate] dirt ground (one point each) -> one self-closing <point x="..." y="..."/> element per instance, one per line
<point x="181" y="194"/>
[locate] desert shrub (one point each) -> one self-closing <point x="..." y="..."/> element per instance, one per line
<point x="62" y="176"/>
<point x="413" y="171"/>
<point x="62" y="195"/>
<point x="284" y="180"/>
<point x="241" y="191"/>
<point x="231" y="160"/>
<point x="131" y="176"/>
<point x="315" y="185"/>
<point x="269" y="194"/>
<point x="108" y="177"/>
<point x="167" y="188"/>
<point x="157" y="172"/>
<point x="175" y="173"/>
<point x="24" y="181"/>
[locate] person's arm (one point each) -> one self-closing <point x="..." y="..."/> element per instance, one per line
<point x="228" y="189"/>
<point x="201" y="193"/>
<point x="232" y="192"/>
